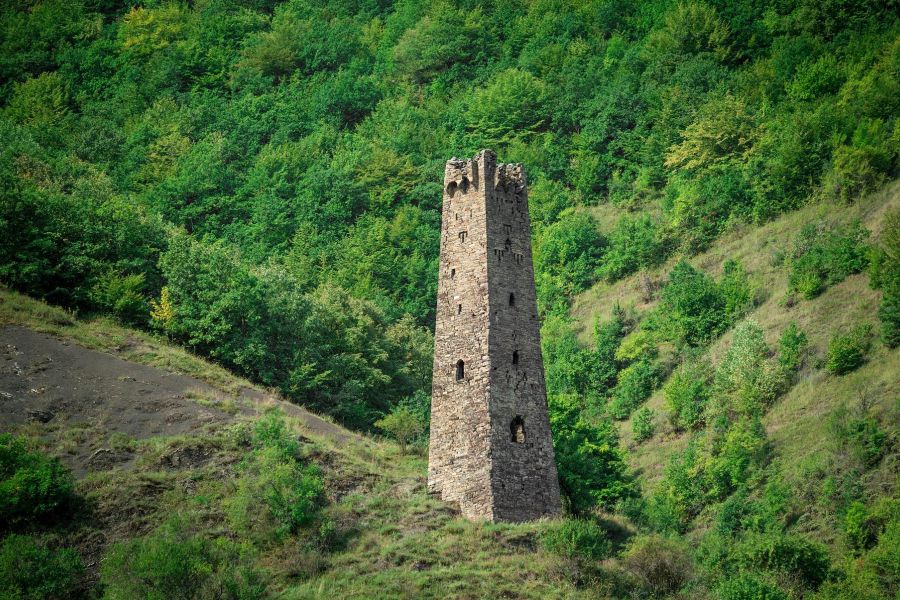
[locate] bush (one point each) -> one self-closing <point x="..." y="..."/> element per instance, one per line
<point x="785" y="553"/>
<point x="402" y="424"/>
<point x="32" y="484"/>
<point x="858" y="433"/>
<point x="846" y="352"/>
<point x="823" y="257"/>
<point x="122" y="296"/>
<point x="569" y="252"/>
<point x="747" y="586"/>
<point x="574" y="538"/>
<point x="276" y="494"/>
<point x="271" y="431"/>
<point x="686" y="394"/>
<point x="886" y="275"/>
<point x="31" y="571"/>
<point x="592" y="470"/>
<point x="173" y="562"/>
<point x="746" y="380"/>
<point x="862" y="165"/>
<point x="694" y="307"/>
<point x="736" y="290"/>
<point x="876" y="573"/>
<point x="859" y="529"/>
<point x="661" y="565"/>
<point x="635" y="385"/>
<point x="643" y="425"/>
<point x="635" y="243"/>
<point x="792" y="346"/>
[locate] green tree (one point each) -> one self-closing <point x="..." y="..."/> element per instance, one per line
<point x="402" y="424"/>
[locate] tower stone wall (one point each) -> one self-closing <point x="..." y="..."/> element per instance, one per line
<point x="490" y="448"/>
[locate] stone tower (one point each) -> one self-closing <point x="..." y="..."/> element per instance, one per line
<point x="490" y="447"/>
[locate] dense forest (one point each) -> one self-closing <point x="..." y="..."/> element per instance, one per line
<point x="260" y="182"/>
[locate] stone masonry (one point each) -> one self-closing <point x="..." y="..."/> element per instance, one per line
<point x="490" y="449"/>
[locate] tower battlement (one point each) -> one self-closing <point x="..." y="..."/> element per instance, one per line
<point x="490" y="448"/>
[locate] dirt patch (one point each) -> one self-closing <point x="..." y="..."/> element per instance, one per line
<point x="58" y="385"/>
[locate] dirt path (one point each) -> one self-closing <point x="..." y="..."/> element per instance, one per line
<point x="63" y="385"/>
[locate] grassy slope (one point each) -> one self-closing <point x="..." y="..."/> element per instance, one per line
<point x="796" y="423"/>
<point x="395" y="540"/>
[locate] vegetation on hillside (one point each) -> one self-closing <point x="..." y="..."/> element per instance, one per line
<point x="259" y="181"/>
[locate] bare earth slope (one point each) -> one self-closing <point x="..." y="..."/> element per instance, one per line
<point x="60" y="383"/>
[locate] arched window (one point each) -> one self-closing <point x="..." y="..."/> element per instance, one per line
<point x="517" y="430"/>
<point x="515" y="357"/>
<point x="512" y="299"/>
<point x="464" y="186"/>
<point x="460" y="370"/>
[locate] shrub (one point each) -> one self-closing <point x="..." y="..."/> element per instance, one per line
<point x="592" y="470"/>
<point x="635" y="243"/>
<point x="173" y="562"/>
<point x="31" y="571"/>
<point x="785" y="553"/>
<point x="736" y="290"/>
<point x="661" y="565"/>
<point x="736" y="458"/>
<point x="276" y="494"/>
<point x="643" y="425"/>
<point x="569" y="251"/>
<point x="859" y="529"/>
<point x="886" y="275"/>
<point x="846" y="352"/>
<point x="858" y="433"/>
<point x="686" y="394"/>
<point x="823" y="257"/>
<point x="747" y="586"/>
<point x="402" y="424"/>
<point x="271" y="431"/>
<point x="694" y="306"/>
<point x="792" y="346"/>
<point x="574" y="538"/>
<point x="32" y="484"/>
<point x="122" y="295"/>
<point x="635" y="385"/>
<point x="862" y="165"/>
<point x="746" y="380"/>
<point x="872" y="576"/>
<point x="602" y="365"/>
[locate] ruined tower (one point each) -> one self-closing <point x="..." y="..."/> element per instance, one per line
<point x="490" y="447"/>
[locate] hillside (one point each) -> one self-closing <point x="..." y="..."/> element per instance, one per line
<point x="154" y="433"/>
<point x="797" y="423"/>
<point x="156" y="436"/>
<point x="237" y="202"/>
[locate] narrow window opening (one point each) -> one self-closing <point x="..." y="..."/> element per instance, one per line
<point x="515" y="357"/>
<point x="464" y="186"/>
<point x="517" y="430"/>
<point x="452" y="273"/>
<point x="460" y="370"/>
<point x="512" y="299"/>
<point x="459" y="309"/>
